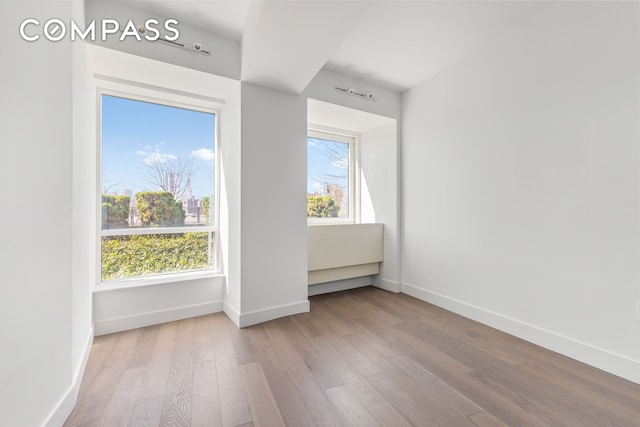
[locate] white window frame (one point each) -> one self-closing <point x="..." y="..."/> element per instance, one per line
<point x="351" y="138"/>
<point x="141" y="92"/>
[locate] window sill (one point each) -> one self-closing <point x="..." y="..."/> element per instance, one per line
<point x="155" y="280"/>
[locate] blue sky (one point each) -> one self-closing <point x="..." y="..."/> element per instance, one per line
<point x="327" y="162"/>
<point x="136" y="134"/>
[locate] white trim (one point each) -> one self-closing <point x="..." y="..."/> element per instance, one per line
<point x="231" y="313"/>
<point x="157" y="88"/>
<point x="156" y="279"/>
<point x="260" y="316"/>
<point x="165" y="97"/>
<point x="387" y="285"/>
<point x="339" y="285"/>
<point x="600" y="358"/>
<point x="328" y="129"/>
<point x="138" y="231"/>
<point x="156" y="317"/>
<point x="67" y="402"/>
<point x="331" y="135"/>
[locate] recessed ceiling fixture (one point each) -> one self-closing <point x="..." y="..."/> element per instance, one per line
<point x="366" y="94"/>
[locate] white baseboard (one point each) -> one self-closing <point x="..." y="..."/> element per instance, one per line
<point x="156" y="317"/>
<point x="63" y="409"/>
<point x="231" y="313"/>
<point x="608" y="361"/>
<point x="339" y="285"/>
<point x="259" y="316"/>
<point x="387" y="285"/>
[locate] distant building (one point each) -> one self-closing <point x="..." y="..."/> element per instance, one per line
<point x="172" y="182"/>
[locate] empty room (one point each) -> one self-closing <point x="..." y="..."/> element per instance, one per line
<point x="320" y="212"/>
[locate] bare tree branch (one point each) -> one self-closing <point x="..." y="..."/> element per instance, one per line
<point x="173" y="176"/>
<point x="338" y="154"/>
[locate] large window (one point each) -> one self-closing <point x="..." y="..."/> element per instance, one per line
<point x="157" y="182"/>
<point x="331" y="187"/>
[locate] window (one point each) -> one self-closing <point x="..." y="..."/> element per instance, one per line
<point x="157" y="181"/>
<point x="331" y="189"/>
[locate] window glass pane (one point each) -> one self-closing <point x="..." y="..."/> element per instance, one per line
<point x="125" y="257"/>
<point x="157" y="165"/>
<point x="157" y="171"/>
<point x="327" y="179"/>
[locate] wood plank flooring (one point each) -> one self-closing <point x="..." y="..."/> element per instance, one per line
<point x="364" y="357"/>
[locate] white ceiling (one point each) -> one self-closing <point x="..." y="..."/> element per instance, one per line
<point x="399" y="44"/>
<point x="286" y="43"/>
<point x="223" y="17"/>
<point x="393" y="43"/>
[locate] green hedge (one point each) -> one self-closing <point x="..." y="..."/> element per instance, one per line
<point x="141" y="255"/>
<point x="115" y="211"/>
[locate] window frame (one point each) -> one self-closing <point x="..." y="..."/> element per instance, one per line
<point x="351" y="138"/>
<point x="168" y="98"/>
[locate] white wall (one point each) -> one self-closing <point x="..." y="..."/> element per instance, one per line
<point x="117" y="310"/>
<point x="322" y="88"/>
<point x="379" y="193"/>
<point x="224" y="59"/>
<point x="84" y="210"/>
<point x="84" y="218"/>
<point x="126" y="308"/>
<point x="36" y="218"/>
<point x="274" y="223"/>
<point x="520" y="171"/>
<point x="376" y="122"/>
<point x="230" y="201"/>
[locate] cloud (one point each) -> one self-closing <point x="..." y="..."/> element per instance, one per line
<point x="205" y="154"/>
<point x="310" y="143"/>
<point x="156" y="157"/>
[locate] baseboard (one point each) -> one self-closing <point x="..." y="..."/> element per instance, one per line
<point x="608" y="361"/>
<point x="63" y="409"/>
<point x="339" y="285"/>
<point x="260" y="316"/>
<point x="156" y="317"/>
<point x="387" y="285"/>
<point x="231" y="313"/>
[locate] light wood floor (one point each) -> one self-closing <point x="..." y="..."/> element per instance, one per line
<point x="363" y="357"/>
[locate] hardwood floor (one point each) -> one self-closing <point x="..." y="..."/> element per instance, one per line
<point x="364" y="357"/>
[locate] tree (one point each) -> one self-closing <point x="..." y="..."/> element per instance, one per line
<point x="115" y="211"/>
<point x="335" y="192"/>
<point x="334" y="171"/>
<point x="321" y="207"/>
<point x="159" y="209"/>
<point x="171" y="175"/>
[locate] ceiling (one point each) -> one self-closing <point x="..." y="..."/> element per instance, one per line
<point x="393" y="43"/>
<point x="223" y="17"/>
<point x="399" y="44"/>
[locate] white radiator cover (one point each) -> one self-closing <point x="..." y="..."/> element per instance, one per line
<point x="344" y="251"/>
